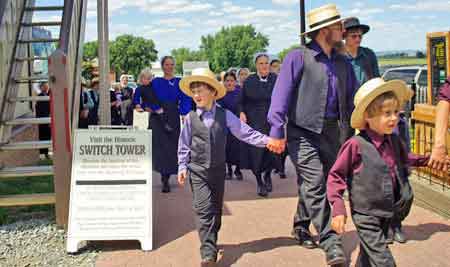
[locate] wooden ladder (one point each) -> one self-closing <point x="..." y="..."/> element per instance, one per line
<point x="8" y="106"/>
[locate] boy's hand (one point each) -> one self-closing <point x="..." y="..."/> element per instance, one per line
<point x="139" y="109"/>
<point x="276" y="145"/>
<point x="338" y="224"/>
<point x="182" y="177"/>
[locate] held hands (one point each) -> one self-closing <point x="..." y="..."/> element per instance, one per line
<point x="276" y="145"/>
<point x="338" y="224"/>
<point x="182" y="177"/>
<point x="439" y="159"/>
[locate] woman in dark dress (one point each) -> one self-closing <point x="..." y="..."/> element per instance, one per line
<point x="43" y="111"/>
<point x="254" y="103"/>
<point x="233" y="144"/>
<point x="174" y="103"/>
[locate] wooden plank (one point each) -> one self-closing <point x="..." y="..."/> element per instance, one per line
<point x="26" y="145"/>
<point x="27" y="200"/>
<point x="30" y="171"/>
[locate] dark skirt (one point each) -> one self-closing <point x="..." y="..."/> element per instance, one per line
<point x="233" y="150"/>
<point x="164" y="144"/>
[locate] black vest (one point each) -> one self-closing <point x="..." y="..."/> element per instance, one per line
<point x="208" y="144"/>
<point x="308" y="104"/>
<point x="371" y="190"/>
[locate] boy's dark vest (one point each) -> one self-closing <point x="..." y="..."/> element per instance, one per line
<point x="371" y="190"/>
<point x="208" y="144"/>
<point x="308" y="104"/>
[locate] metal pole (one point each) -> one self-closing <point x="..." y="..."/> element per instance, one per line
<point x="103" y="60"/>
<point x="302" y="22"/>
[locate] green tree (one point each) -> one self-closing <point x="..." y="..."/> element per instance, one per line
<point x="185" y="54"/>
<point x="233" y="47"/>
<point x="283" y="53"/>
<point x="131" y="54"/>
<point x="90" y="50"/>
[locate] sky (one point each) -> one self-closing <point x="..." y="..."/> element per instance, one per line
<point x="395" y="24"/>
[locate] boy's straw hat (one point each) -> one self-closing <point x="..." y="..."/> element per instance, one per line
<point x="370" y="90"/>
<point x="202" y="75"/>
<point x="321" y="17"/>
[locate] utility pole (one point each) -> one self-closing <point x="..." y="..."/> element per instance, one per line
<point x="103" y="60"/>
<point x="302" y="22"/>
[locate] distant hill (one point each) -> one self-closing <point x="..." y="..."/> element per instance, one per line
<point x="408" y="52"/>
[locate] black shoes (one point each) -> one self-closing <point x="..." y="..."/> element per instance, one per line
<point x="165" y="185"/>
<point x="399" y="236"/>
<point x="261" y="190"/>
<point x="268" y="181"/>
<point x="282" y="175"/>
<point x="228" y="176"/>
<point x="238" y="175"/>
<point x="304" y="238"/>
<point x="335" y="256"/>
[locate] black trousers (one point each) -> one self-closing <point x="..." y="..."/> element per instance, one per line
<point x="313" y="156"/>
<point x="208" y="187"/>
<point x="373" y="249"/>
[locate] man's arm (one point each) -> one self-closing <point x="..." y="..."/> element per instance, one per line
<point x="282" y="92"/>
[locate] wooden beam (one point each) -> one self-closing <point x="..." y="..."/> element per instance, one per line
<point x="27" y="200"/>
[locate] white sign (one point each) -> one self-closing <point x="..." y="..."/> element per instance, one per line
<point x="140" y="119"/>
<point x="111" y="187"/>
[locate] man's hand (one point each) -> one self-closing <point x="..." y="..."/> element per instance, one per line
<point x="243" y="117"/>
<point x="182" y="177"/>
<point x="276" y="145"/>
<point x="338" y="224"/>
<point x="438" y="159"/>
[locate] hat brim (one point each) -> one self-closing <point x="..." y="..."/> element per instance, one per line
<point x="365" y="28"/>
<point x="322" y="26"/>
<point x="399" y="88"/>
<point x="185" y="84"/>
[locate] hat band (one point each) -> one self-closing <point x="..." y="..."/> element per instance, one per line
<point x="324" y="21"/>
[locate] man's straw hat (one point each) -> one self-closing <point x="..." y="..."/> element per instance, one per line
<point x="202" y="75"/>
<point x="370" y="90"/>
<point x="321" y="17"/>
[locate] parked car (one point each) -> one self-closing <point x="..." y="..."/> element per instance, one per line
<point x="416" y="77"/>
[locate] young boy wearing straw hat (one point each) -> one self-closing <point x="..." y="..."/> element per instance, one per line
<point x="201" y="154"/>
<point x="373" y="166"/>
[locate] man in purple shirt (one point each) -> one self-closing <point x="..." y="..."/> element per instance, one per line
<point x="201" y="154"/>
<point x="439" y="152"/>
<point x="315" y="91"/>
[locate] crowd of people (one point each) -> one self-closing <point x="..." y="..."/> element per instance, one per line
<point x="307" y="106"/>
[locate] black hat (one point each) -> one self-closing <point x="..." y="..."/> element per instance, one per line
<point x="353" y="22"/>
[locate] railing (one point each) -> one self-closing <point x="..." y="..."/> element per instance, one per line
<point x="424" y="129"/>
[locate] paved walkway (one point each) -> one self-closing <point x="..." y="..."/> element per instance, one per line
<point x="256" y="232"/>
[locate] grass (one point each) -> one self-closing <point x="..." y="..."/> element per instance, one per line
<point x="26" y="185"/>
<point x="401" y="61"/>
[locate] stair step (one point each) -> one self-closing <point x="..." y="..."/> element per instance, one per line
<point x="39" y="40"/>
<point x="42" y="24"/>
<point x="45" y="8"/>
<point x="26" y="145"/>
<point x="29" y="98"/>
<point x="31" y="58"/>
<point x="22" y="121"/>
<point x="29" y="171"/>
<point x="27" y="200"/>
<point x="31" y="79"/>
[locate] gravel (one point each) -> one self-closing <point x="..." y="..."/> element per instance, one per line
<point x="38" y="242"/>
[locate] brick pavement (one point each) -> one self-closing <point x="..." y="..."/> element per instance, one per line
<point x="256" y="232"/>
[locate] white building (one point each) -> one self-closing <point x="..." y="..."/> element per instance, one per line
<point x="188" y="66"/>
<point x="157" y="69"/>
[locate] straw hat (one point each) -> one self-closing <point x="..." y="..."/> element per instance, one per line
<point x="202" y="75"/>
<point x="370" y="90"/>
<point x="321" y="17"/>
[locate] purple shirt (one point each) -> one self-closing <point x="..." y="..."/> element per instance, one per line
<point x="287" y="83"/>
<point x="230" y="100"/>
<point x="349" y="163"/>
<point x="238" y="128"/>
<point x="444" y="93"/>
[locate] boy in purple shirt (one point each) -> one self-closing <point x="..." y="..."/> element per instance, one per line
<point x="201" y="154"/>
<point x="373" y="166"/>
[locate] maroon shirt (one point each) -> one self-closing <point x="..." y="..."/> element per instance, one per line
<point x="349" y="162"/>
<point x="444" y="93"/>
